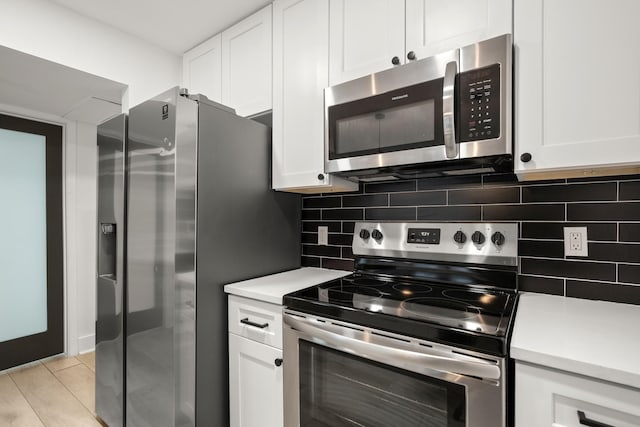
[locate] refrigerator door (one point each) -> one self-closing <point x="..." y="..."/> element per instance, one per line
<point x="159" y="362"/>
<point x="110" y="276"/>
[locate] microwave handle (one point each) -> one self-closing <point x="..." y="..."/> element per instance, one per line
<point x="448" y="109"/>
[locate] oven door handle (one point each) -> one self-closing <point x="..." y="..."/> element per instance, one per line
<point x="448" y="110"/>
<point x="423" y="362"/>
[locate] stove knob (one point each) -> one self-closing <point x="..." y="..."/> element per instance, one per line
<point x="364" y="234"/>
<point x="497" y="238"/>
<point x="459" y="237"/>
<point x="477" y="238"/>
<point x="376" y="234"/>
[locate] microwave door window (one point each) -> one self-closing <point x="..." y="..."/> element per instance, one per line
<point x="358" y="135"/>
<point x="408" y="126"/>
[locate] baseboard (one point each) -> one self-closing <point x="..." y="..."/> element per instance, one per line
<point x="86" y="343"/>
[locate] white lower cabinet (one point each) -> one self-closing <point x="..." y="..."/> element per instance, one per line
<point x="255" y="384"/>
<point x="549" y="397"/>
<point x="255" y="368"/>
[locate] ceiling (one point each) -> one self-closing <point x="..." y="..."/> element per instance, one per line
<point x="36" y="84"/>
<point x="176" y="26"/>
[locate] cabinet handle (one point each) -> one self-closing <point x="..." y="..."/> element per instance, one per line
<point x="411" y="55"/>
<point x="320" y="177"/>
<point x="525" y="157"/>
<point x="395" y="60"/>
<point x="278" y="362"/>
<point x="246" y="321"/>
<point x="582" y="418"/>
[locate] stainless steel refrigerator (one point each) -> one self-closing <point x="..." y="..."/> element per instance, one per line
<point x="184" y="207"/>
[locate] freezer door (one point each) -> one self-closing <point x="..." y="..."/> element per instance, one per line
<point x="110" y="278"/>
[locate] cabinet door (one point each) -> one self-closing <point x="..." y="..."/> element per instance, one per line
<point x="255" y="384"/>
<point x="364" y="36"/>
<point x="201" y="69"/>
<point x="246" y="64"/>
<point x="435" y="26"/>
<point x="300" y="74"/>
<point x="577" y="86"/>
<point x="546" y="397"/>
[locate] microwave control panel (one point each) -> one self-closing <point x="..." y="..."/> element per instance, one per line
<point x="479" y="114"/>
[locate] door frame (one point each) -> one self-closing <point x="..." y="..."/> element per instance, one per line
<point x="70" y="208"/>
<point x="37" y="346"/>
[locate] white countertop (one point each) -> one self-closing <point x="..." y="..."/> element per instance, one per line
<point x="273" y="287"/>
<point x="595" y="338"/>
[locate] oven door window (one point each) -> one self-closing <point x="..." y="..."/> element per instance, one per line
<point x="339" y="389"/>
<point x="406" y="118"/>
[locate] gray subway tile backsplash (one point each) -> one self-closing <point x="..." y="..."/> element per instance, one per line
<point x="607" y="206"/>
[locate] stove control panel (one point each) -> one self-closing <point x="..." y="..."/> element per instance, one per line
<point x="424" y="235"/>
<point x="485" y="243"/>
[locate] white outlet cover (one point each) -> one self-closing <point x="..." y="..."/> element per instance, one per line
<point x="583" y="249"/>
<point x="323" y="235"/>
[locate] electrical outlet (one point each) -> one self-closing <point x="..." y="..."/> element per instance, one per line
<point x="323" y="235"/>
<point x="575" y="241"/>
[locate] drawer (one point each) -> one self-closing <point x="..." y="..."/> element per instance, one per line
<point x="549" y="397"/>
<point x="256" y="320"/>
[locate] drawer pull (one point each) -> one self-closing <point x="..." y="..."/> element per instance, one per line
<point x="246" y="321"/>
<point x="591" y="423"/>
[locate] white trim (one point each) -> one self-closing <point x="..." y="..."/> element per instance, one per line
<point x="86" y="343"/>
<point x="71" y="280"/>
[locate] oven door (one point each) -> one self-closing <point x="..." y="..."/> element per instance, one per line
<point x="338" y="374"/>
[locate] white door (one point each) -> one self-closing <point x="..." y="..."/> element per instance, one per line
<point x="577" y="67"/>
<point x="364" y="37"/>
<point x="246" y="64"/>
<point x="202" y="71"/>
<point x="255" y="384"/>
<point x="435" y="26"/>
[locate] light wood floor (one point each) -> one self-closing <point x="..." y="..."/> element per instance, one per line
<point x="56" y="392"/>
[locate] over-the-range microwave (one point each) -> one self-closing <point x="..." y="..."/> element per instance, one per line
<point x="443" y="115"/>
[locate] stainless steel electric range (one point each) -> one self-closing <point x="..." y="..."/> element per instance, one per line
<point x="418" y="335"/>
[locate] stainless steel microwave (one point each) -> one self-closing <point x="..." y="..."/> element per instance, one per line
<point x="446" y="114"/>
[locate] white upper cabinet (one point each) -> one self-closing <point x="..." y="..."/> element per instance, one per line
<point x="234" y="67"/>
<point x="577" y="109"/>
<point x="300" y="74"/>
<point x="365" y="35"/>
<point x="370" y="36"/>
<point x="435" y="26"/>
<point x="246" y="64"/>
<point x="202" y="69"/>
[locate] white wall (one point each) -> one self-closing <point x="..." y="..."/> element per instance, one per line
<point x="80" y="193"/>
<point x="47" y="30"/>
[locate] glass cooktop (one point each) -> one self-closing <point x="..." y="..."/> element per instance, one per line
<point x="474" y="309"/>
